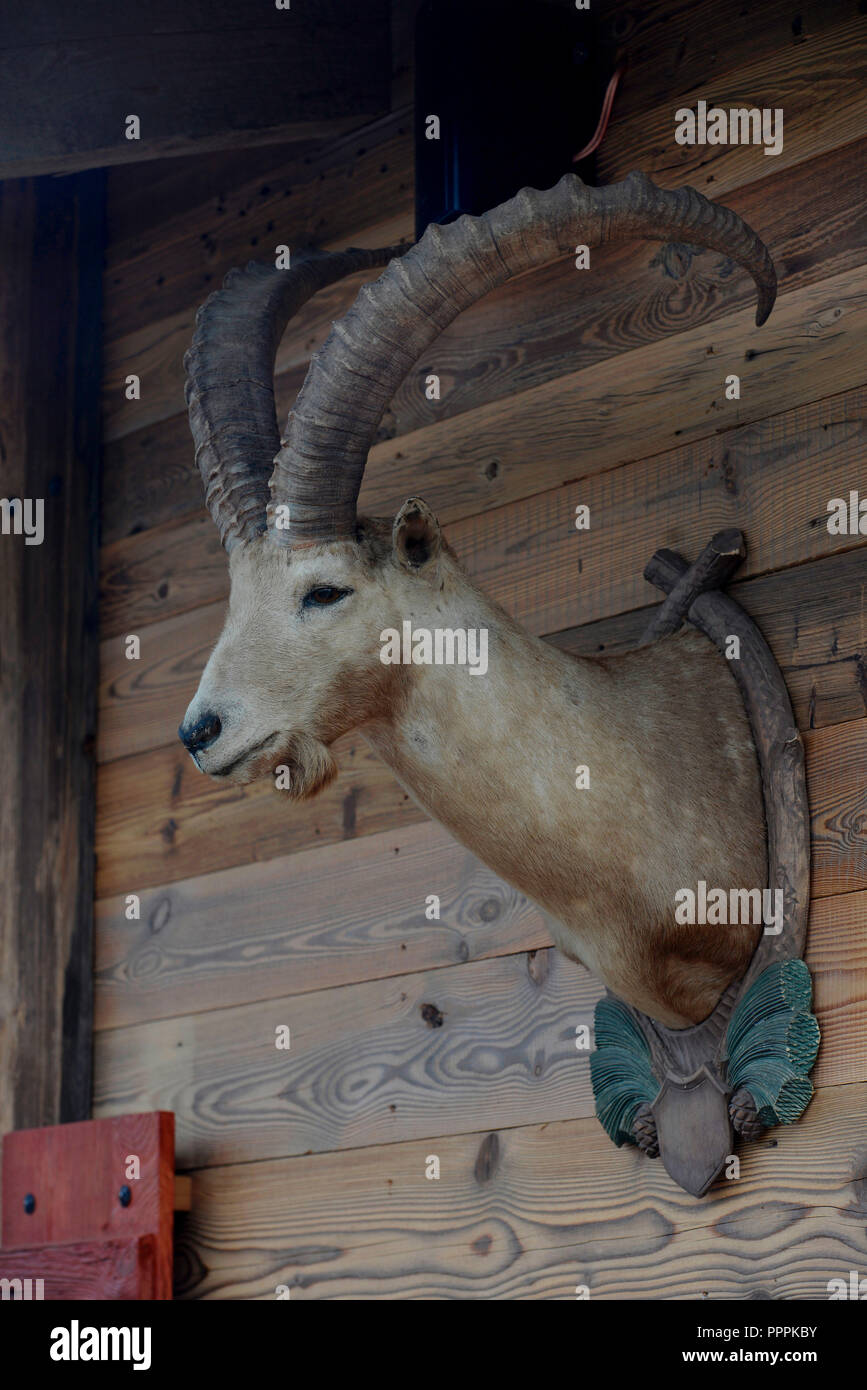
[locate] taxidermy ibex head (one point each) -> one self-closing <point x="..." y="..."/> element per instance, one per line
<point x="674" y="795"/>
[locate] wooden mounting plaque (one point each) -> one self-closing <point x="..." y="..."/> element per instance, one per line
<point x="692" y="1120"/>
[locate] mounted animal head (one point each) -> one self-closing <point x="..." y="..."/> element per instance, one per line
<point x="313" y="585"/>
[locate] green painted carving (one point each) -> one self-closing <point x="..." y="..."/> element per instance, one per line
<point x="620" y="1070"/>
<point x="772" y="1041"/>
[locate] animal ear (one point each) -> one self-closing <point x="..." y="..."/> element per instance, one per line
<point x="416" y="535"/>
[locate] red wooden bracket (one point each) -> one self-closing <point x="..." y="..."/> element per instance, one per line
<point x="104" y="1269"/>
<point x="75" y="1216"/>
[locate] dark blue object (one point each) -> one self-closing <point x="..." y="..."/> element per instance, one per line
<point x="514" y="87"/>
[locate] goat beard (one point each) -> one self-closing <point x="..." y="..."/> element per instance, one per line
<point x="310" y="765"/>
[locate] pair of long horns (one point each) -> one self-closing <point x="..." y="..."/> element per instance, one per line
<point x="316" y="469"/>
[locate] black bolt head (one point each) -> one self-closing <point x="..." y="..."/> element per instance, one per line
<point x="124" y="1196"/>
<point x="30" y="1204"/>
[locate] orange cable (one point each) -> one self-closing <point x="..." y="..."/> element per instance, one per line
<point x="604" y="115"/>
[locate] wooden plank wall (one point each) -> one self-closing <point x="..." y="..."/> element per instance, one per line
<point x="456" y="1037"/>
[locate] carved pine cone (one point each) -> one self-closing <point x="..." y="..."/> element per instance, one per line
<point x="744" y="1116"/>
<point x="644" y="1130"/>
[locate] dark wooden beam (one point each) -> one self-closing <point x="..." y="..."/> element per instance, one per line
<point x="199" y="76"/>
<point x="51" y="246"/>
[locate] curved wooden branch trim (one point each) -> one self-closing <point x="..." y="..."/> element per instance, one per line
<point x="714" y="567"/>
<point x="689" y="1124"/>
<point x="778" y="745"/>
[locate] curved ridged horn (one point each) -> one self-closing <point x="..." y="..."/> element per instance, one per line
<point x="354" y="375"/>
<point x="230" y="378"/>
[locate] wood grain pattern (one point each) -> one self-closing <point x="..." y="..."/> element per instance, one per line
<point x="144" y="578"/>
<point x="533" y="1212"/>
<point x="675" y="48"/>
<point x="536" y="328"/>
<point x="488" y="1042"/>
<point x="837" y="956"/>
<point x="50" y="254"/>
<point x="160" y="820"/>
<point x="819" y="85"/>
<point x="283" y="927"/>
<point x="837" y="792"/>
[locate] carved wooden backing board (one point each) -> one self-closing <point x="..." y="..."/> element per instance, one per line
<point x="64" y="1221"/>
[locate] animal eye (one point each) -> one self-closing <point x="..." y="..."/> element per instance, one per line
<point x="323" y="595"/>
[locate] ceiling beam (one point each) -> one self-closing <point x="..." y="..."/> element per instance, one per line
<point x="203" y="76"/>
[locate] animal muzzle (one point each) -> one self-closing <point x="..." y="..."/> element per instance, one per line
<point x="200" y="735"/>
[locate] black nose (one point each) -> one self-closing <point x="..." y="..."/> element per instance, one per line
<point x="200" y="735"/>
